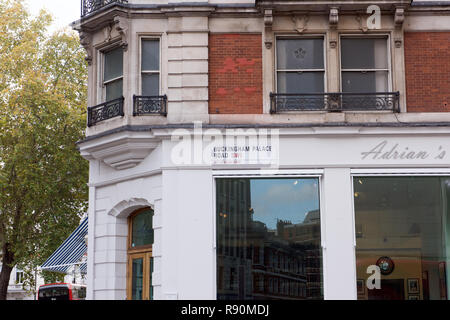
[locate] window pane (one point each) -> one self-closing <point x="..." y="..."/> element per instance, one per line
<point x="113" y="64"/>
<point x="137" y="279"/>
<point x="150" y="84"/>
<point x="403" y="227"/>
<point x="142" y="229"/>
<point x="365" y="82"/>
<point x="268" y="239"/>
<point x="300" y="82"/>
<point x="300" y="54"/>
<point x="359" y="53"/>
<point x="114" y="90"/>
<point x="150" y="55"/>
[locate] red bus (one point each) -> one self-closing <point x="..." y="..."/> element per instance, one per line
<point x="62" y="291"/>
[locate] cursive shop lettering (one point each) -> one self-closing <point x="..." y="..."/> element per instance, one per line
<point x="383" y="152"/>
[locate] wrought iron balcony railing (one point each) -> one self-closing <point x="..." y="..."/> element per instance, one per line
<point x="90" y="6"/>
<point x="148" y="105"/>
<point x="104" y="111"/>
<point x="335" y="102"/>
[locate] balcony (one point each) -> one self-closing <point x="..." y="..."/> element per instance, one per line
<point x="149" y="105"/>
<point x="334" y="102"/>
<point x="90" y="6"/>
<point x="105" y="111"/>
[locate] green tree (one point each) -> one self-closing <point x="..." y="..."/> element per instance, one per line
<point x="43" y="179"/>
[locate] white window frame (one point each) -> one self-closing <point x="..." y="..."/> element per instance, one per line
<point x="297" y="37"/>
<point x="385" y="36"/>
<point x="141" y="72"/>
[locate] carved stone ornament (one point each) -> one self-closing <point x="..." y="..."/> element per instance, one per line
<point x="399" y="17"/>
<point x="268" y="22"/>
<point x="333" y="41"/>
<point x="362" y="23"/>
<point x="86" y="42"/>
<point x="121" y="25"/>
<point x="334" y="18"/>
<point x="398" y="42"/>
<point x="300" y="23"/>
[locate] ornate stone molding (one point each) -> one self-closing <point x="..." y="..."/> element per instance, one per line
<point x="362" y="20"/>
<point x="300" y="23"/>
<point x="120" y="151"/>
<point x="399" y="17"/>
<point x="121" y="24"/>
<point x="334" y="17"/>
<point x="268" y="22"/>
<point x="125" y="207"/>
<point x="86" y="42"/>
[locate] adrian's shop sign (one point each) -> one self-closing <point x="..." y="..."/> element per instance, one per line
<point x="265" y="148"/>
<point x="396" y="151"/>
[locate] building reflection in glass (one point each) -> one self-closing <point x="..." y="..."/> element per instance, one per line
<point x="268" y="239"/>
<point x="403" y="224"/>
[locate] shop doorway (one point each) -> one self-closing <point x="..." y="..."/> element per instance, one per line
<point x="140" y="259"/>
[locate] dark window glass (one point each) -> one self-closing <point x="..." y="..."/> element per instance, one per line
<point x="150" y="62"/>
<point x="300" y="54"/>
<point x="366" y="53"/>
<point x="365" y="82"/>
<point x="300" y="66"/>
<point x="114" y="90"/>
<point x="150" y="55"/>
<point x="150" y="84"/>
<point x="365" y="66"/>
<point x="403" y="228"/>
<point x="137" y="279"/>
<point x="113" y="64"/>
<point x="300" y="82"/>
<point x="142" y="229"/>
<point x="265" y="227"/>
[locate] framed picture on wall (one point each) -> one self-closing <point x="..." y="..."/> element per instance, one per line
<point x="413" y="286"/>
<point x="360" y="286"/>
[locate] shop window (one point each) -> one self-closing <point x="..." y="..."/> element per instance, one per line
<point x="113" y="74"/>
<point x="364" y="64"/>
<point x="260" y="223"/>
<point x="150" y="67"/>
<point x="406" y="223"/>
<point x="300" y="66"/>
<point x="140" y="259"/>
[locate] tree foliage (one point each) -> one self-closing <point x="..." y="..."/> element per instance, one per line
<point x="43" y="179"/>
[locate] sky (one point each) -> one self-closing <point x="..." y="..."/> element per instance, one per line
<point x="285" y="199"/>
<point x="63" y="11"/>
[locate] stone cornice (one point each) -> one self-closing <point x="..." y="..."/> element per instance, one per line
<point x="121" y="149"/>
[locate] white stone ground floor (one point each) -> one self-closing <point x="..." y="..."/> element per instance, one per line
<point x="175" y="171"/>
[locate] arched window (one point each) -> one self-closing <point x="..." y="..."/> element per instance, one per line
<point x="140" y="260"/>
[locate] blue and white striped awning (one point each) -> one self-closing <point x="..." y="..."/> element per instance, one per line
<point x="70" y="253"/>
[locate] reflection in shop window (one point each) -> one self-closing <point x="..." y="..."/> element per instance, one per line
<point x="268" y="239"/>
<point x="403" y="227"/>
